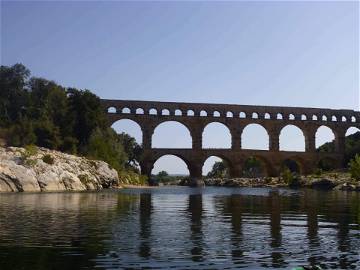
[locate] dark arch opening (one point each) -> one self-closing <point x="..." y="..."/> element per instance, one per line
<point x="293" y="165"/>
<point x="327" y="164"/>
<point x="254" y="167"/>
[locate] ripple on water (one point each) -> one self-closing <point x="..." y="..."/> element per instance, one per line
<point x="180" y="228"/>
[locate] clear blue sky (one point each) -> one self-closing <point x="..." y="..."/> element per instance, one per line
<point x="267" y="53"/>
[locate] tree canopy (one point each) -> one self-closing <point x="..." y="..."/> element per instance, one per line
<point x="42" y="112"/>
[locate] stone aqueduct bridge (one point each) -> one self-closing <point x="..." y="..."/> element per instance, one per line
<point x="195" y="116"/>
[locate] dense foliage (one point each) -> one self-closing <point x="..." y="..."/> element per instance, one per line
<point x="352" y="146"/>
<point x="354" y="166"/>
<point x="41" y="112"/>
<point x="219" y="170"/>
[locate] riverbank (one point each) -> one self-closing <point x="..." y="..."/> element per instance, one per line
<point x="328" y="181"/>
<point x="41" y="169"/>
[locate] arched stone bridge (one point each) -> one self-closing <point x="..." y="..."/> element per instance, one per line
<point x="196" y="116"/>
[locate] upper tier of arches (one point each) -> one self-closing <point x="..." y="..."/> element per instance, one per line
<point x="230" y="111"/>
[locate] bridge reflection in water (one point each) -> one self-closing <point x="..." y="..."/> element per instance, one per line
<point x="179" y="228"/>
<point x="197" y="116"/>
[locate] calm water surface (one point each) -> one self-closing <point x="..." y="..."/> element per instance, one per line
<point x="180" y="228"/>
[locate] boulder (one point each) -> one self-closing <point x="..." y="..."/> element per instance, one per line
<point x="21" y="171"/>
<point x="322" y="183"/>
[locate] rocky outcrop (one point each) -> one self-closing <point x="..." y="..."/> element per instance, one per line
<point x="45" y="170"/>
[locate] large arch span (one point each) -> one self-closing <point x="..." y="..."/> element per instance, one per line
<point x="235" y="118"/>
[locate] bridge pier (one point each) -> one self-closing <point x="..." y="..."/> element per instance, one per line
<point x="196" y="179"/>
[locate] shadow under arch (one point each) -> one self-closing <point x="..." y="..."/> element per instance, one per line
<point x="210" y="139"/>
<point x="255" y="129"/>
<point x="328" y="163"/>
<point x="252" y="164"/>
<point x="294" y="164"/>
<point x="286" y="138"/>
<point x="227" y="170"/>
<point x="130" y="127"/>
<point x="175" y="131"/>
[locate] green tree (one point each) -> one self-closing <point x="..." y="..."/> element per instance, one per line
<point x="253" y="168"/>
<point x="132" y="149"/>
<point x="13" y="93"/>
<point x="354" y="166"/>
<point x="104" y="145"/>
<point x="85" y="114"/>
<point x="219" y="170"/>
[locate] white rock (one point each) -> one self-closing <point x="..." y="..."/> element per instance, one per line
<point x="68" y="172"/>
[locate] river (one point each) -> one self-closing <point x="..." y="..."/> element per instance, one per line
<point x="180" y="228"/>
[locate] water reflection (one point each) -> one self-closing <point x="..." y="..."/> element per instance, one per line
<point x="180" y="228"/>
<point x="145" y="225"/>
<point x="195" y="210"/>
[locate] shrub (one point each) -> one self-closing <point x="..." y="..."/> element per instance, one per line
<point x="318" y="172"/>
<point x="30" y="150"/>
<point x="354" y="166"/>
<point x="48" y="159"/>
<point x="290" y="178"/>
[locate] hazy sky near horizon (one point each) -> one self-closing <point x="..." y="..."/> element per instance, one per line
<point x="267" y="53"/>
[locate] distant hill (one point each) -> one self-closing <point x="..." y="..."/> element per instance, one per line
<point x="352" y="146"/>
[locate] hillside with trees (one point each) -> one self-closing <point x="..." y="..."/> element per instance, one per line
<point x="41" y="112"/>
<point x="352" y="146"/>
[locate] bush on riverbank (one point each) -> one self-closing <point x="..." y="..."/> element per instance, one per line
<point x="354" y="166"/>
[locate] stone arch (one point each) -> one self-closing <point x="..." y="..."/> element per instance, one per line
<point x="111" y="110"/>
<point x="166" y="163"/>
<point x="324" y="134"/>
<point x="171" y="134"/>
<point x="292" y="138"/>
<point x="153" y="111"/>
<point x="229" y="114"/>
<point x="267" y="116"/>
<point x="139" y="111"/>
<point x="353" y="119"/>
<point x="279" y="116"/>
<point x="333" y="118"/>
<point x="203" y="113"/>
<point x="255" y="115"/>
<point x="294" y="164"/>
<point x="343" y="119"/>
<point x="190" y="113"/>
<point x="125" y="110"/>
<point x="129" y="127"/>
<point x="242" y="115"/>
<point x="255" y="136"/>
<point x="216" y="158"/>
<point x="165" y="112"/>
<point x="256" y="166"/>
<point x="351" y="130"/>
<point x="291" y="116"/>
<point x="324" y="118"/>
<point x="213" y="136"/>
<point x="178" y="112"/>
<point x="216" y="114"/>
<point x="314" y="117"/>
<point x="303" y="117"/>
